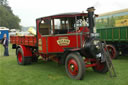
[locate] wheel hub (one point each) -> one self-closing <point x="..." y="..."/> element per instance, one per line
<point x="73" y="67"/>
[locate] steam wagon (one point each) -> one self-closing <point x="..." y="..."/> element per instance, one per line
<point x="65" y="38"/>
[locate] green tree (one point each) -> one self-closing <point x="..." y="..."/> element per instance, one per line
<point x="7" y="18"/>
<point x="3" y="2"/>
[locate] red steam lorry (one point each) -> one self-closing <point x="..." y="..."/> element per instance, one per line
<point x="65" y="38"/>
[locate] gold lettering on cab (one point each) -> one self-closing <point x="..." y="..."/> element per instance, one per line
<point x="63" y="41"/>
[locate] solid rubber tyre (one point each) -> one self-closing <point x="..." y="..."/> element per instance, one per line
<point x="21" y="59"/>
<point x="75" y="59"/>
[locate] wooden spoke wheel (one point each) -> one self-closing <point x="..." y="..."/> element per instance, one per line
<point x="75" y="66"/>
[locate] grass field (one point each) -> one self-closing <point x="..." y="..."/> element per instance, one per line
<point x="50" y="73"/>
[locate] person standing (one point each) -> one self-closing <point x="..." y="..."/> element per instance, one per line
<point x="5" y="44"/>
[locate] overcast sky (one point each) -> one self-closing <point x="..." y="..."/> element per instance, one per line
<point x="29" y="10"/>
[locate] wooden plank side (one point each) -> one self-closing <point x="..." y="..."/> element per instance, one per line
<point x="23" y="40"/>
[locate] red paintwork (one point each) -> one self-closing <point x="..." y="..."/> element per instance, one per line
<point x="51" y="45"/>
<point x="23" y="40"/>
<point x="26" y="51"/>
<point x="44" y="45"/>
<point x="90" y="60"/>
<point x="73" y="70"/>
<point x="90" y="65"/>
<point x="50" y="42"/>
<point x="99" y="66"/>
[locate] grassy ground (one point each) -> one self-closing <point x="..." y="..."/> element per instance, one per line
<point x="50" y="73"/>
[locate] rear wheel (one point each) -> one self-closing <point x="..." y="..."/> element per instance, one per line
<point x="75" y="66"/>
<point x="112" y="51"/>
<point x="21" y="59"/>
<point x="100" y="67"/>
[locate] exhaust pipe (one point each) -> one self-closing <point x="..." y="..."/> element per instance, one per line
<point x="91" y="18"/>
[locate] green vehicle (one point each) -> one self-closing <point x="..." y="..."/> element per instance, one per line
<point x="113" y="28"/>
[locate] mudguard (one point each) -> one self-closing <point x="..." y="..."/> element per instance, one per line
<point x="26" y="51"/>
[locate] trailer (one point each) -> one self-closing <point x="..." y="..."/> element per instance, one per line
<point x="116" y="38"/>
<point x="113" y="28"/>
<point x="66" y="39"/>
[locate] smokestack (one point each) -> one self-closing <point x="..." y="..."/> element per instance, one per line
<point x="91" y="18"/>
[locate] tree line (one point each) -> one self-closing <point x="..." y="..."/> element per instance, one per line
<point x="7" y="18"/>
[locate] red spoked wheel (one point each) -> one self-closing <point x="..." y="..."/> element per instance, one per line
<point x="100" y="67"/>
<point x="75" y="66"/>
<point x="112" y="51"/>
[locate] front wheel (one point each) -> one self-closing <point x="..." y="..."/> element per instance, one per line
<point x="75" y="66"/>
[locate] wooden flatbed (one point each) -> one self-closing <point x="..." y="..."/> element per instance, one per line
<point x="23" y="40"/>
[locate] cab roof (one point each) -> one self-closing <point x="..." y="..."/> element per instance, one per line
<point x="71" y="14"/>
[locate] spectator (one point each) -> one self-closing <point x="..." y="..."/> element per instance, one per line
<point x="5" y="44"/>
